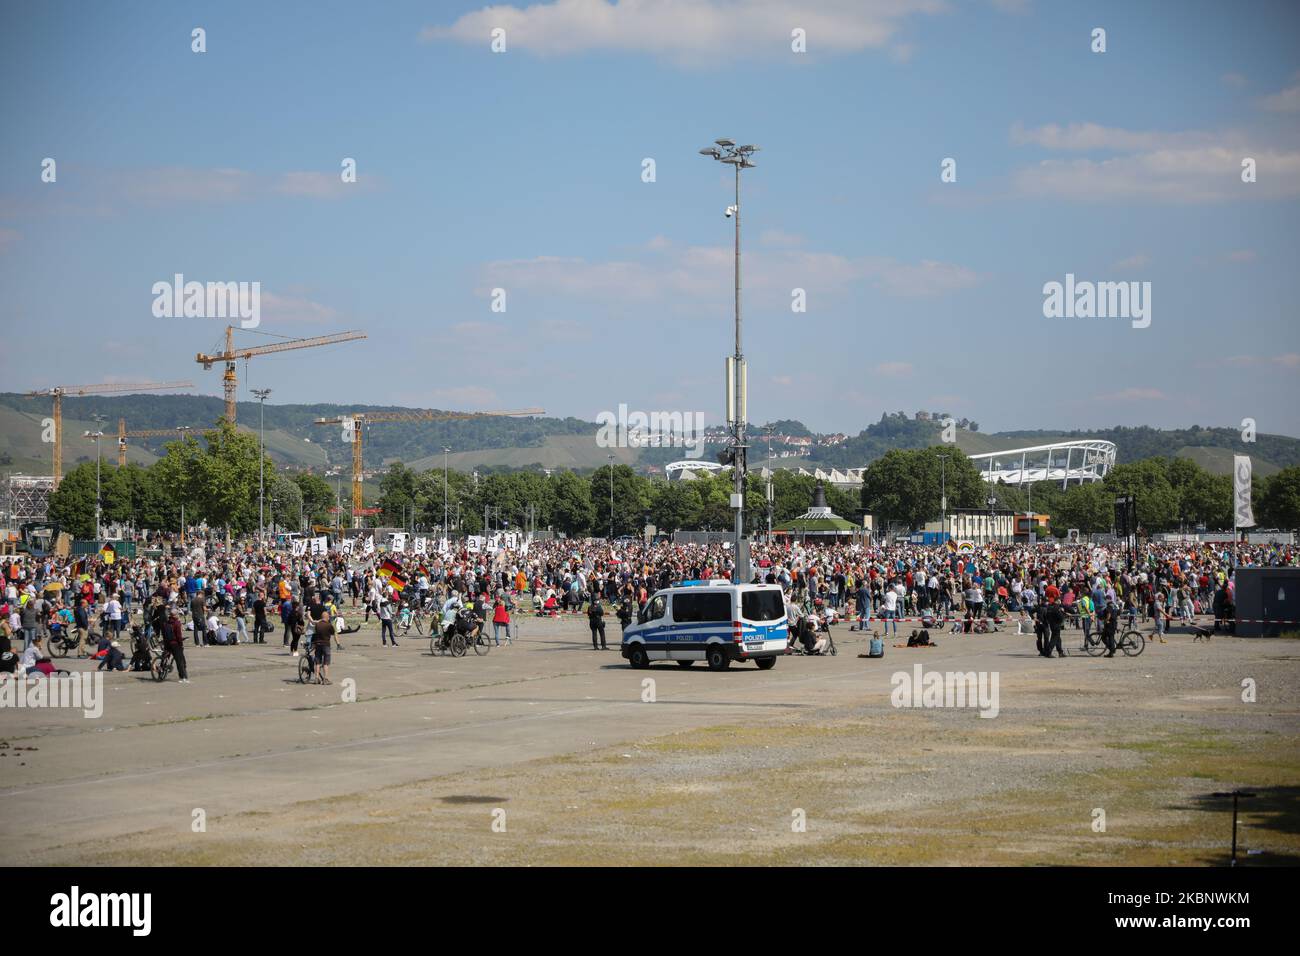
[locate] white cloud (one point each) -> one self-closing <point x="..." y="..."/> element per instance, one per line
<point x="776" y="237"/>
<point x="1288" y="360"/>
<point x="702" y="274"/>
<point x="292" y="310"/>
<point x="1159" y="166"/>
<point x="687" y="31"/>
<point x="1284" y="101"/>
<point x="467" y="397"/>
<point x="1134" y="395"/>
<point x="1095" y="137"/>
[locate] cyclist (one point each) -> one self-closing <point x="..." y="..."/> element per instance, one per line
<point x="320" y="646"/>
<point x="174" y="643"/>
<point x="1109" y="624"/>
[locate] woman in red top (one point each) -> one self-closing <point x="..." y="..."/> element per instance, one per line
<point x="500" y="619"/>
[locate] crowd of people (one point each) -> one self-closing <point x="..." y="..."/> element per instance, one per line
<point x="209" y="596"/>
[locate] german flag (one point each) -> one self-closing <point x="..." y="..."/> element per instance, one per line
<point x="108" y="554"/>
<point x="391" y="572"/>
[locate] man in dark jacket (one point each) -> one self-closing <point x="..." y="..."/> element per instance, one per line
<point x="596" y="618"/>
<point x="174" y="644"/>
<point x="198" y="611"/>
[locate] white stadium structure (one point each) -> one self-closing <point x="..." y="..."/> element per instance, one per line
<point x="1066" y="461"/>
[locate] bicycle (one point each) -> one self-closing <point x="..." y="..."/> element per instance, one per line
<point x="449" y="641"/>
<point x="308" y="667"/>
<point x="1131" y="642"/>
<point x="161" y="666"/>
<point x="66" y="640"/>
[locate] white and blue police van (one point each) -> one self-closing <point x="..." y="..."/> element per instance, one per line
<point x="712" y="621"/>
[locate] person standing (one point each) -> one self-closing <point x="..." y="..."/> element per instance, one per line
<point x="596" y="620"/>
<point x="500" y="619"/>
<point x="260" y="625"/>
<point x="198" y="611"/>
<point x="174" y="644"/>
<point x="386" y="631"/>
<point x="1053" y="619"/>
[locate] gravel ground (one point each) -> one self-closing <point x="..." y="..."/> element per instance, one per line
<point x="829" y="773"/>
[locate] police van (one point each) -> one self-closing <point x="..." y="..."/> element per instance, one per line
<point x="715" y="621"/>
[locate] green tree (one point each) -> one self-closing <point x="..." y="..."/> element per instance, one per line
<point x="631" y="500"/>
<point x="284" y="503"/>
<point x="1088" y="507"/>
<point x="1279" y="500"/>
<point x="905" y="485"/>
<point x="72" y="504"/>
<point x="1147" y="481"/>
<point x="317" y="497"/>
<point x="397" y="495"/>
<point x="571" y="508"/>
<point x="673" y="506"/>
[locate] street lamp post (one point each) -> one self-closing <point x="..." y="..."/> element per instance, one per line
<point x="992" y="503"/>
<point x="740" y="157"/>
<point x="96" y="435"/>
<point x="261" y="394"/>
<point x="445" y="533"/>
<point x="943" y="492"/>
<point x="611" y="496"/>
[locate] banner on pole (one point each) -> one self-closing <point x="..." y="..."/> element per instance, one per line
<point x="1243" y="516"/>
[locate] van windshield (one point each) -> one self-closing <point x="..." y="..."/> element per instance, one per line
<point x="762" y="605"/>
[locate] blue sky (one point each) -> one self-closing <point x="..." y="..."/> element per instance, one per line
<point x="522" y="170"/>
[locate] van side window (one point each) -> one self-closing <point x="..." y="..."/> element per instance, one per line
<point x="656" y="608"/>
<point x="706" y="606"/>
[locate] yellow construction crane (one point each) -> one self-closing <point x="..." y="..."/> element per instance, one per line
<point x="58" y="391"/>
<point x="352" y="428"/>
<point x="123" y="435"/>
<point x="229" y="380"/>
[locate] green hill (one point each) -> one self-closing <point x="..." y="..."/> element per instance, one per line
<point x="294" y="440"/>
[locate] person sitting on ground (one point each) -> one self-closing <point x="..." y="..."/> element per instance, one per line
<point x="35" y="661"/>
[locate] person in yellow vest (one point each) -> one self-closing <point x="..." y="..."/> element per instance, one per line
<point x="1086" y="611"/>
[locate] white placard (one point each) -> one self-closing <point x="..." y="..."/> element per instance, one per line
<point x="320" y="545"/>
<point x="421" y="545"/>
<point x="398" y="545"/>
<point x="299" y="547"/>
<point x="369" y="547"/>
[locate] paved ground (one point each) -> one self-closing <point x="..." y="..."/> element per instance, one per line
<point x="546" y="752"/>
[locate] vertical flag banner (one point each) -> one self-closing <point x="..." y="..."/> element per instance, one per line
<point x="1243" y="516"/>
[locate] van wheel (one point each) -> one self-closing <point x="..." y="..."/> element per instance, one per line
<point x="766" y="663"/>
<point x="685" y="663"/>
<point x="638" y="658"/>
<point x="717" y="658"/>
